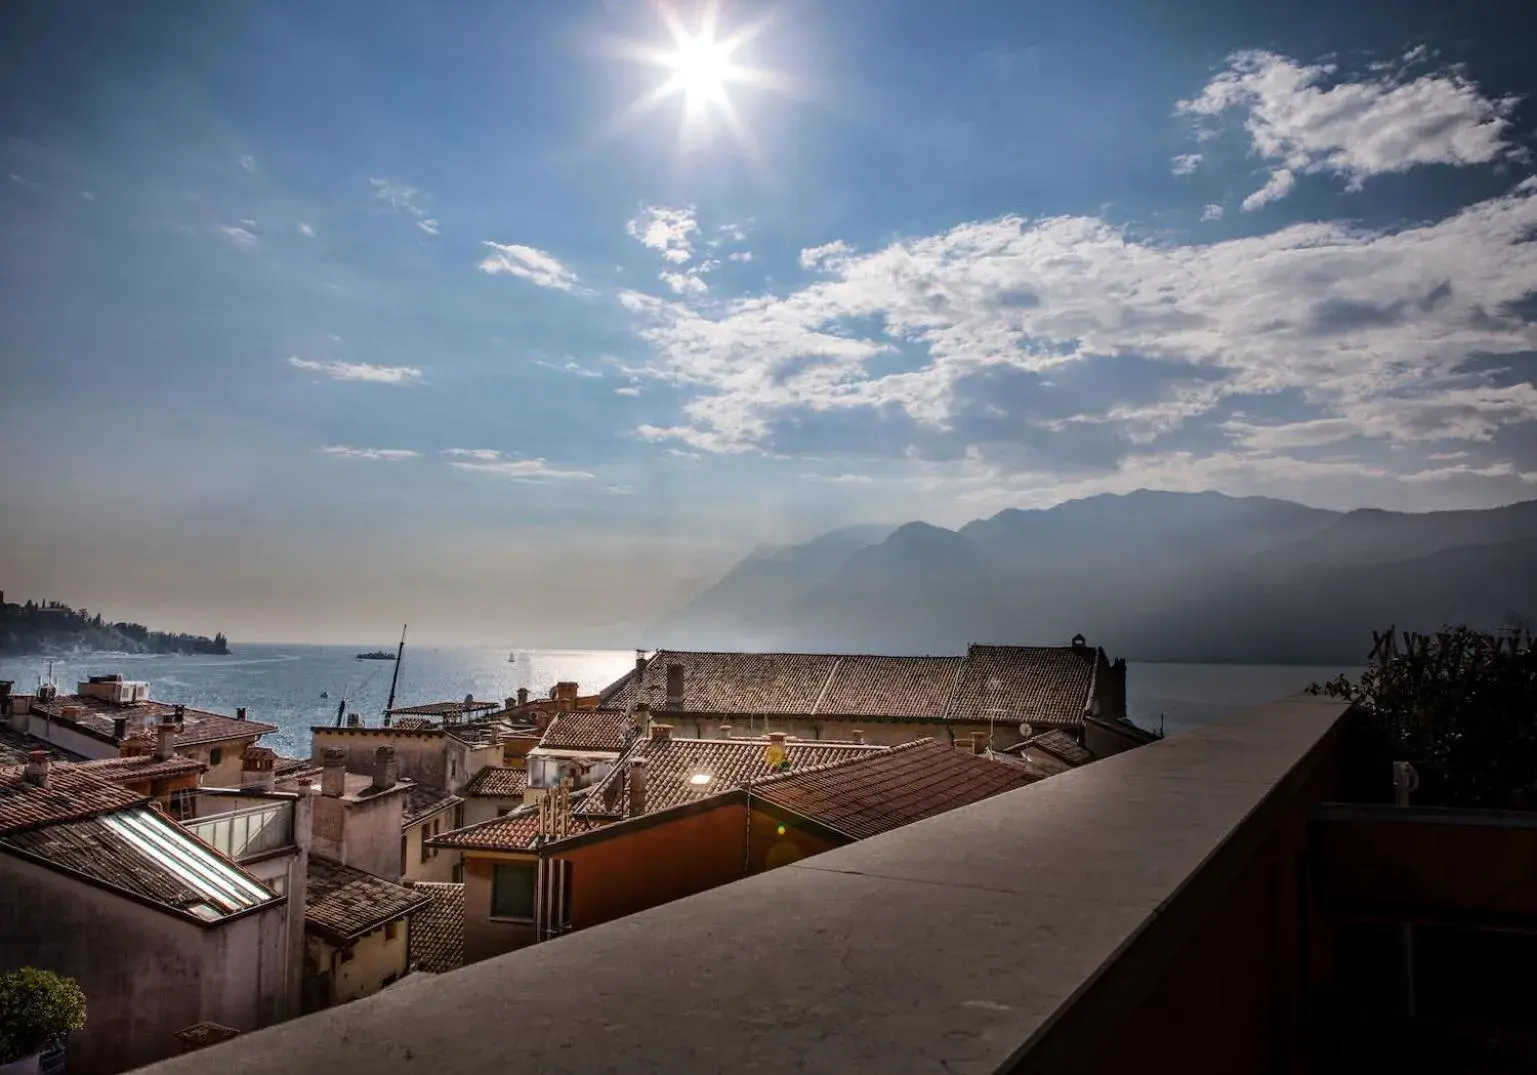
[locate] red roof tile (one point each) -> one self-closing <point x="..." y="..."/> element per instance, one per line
<point x="72" y="793"/>
<point x="424" y="800"/>
<point x="769" y="683"/>
<point x="343" y="903"/>
<point x="437" y="928"/>
<point x="95" y="716"/>
<point x="496" y="782"/>
<point x="587" y="729"/>
<point x="671" y="765"/>
<point x="868" y="796"/>
<point x="518" y="831"/>
<point x="143" y="767"/>
<point x="890" y="687"/>
<point x="1035" y="684"/>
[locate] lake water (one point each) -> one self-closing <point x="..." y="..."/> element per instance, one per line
<point x="282" y="684"/>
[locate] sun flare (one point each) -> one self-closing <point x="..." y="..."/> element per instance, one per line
<point x="701" y="68"/>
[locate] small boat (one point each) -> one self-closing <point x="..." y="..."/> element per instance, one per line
<point x="376" y="655"/>
<point x="325" y="694"/>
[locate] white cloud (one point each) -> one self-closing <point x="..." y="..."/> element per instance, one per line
<point x="306" y="230"/>
<point x="487" y="461"/>
<point x="1371" y="329"/>
<point x="1278" y="186"/>
<point x="88" y="196"/>
<point x="628" y="390"/>
<point x="1468" y="470"/>
<point x="1186" y="163"/>
<point x="838" y="479"/>
<point x="358" y="371"/>
<point x="572" y="367"/>
<point x="732" y="233"/>
<point x="387" y="455"/>
<point x="684" y="283"/>
<point x="1300" y="123"/>
<point x="247" y="162"/>
<point x="430" y="225"/>
<point x="1213" y="211"/>
<point x="679" y="453"/>
<point x="404" y="199"/>
<point x="530" y="264"/>
<point x="669" y="231"/>
<point x="827" y="256"/>
<point x="239" y="236"/>
<point x="740" y="255"/>
<point x="249" y="223"/>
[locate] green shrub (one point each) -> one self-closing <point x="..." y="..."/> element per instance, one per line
<point x="37" y="1007"/>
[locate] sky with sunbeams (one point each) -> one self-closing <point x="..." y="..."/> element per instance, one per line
<point x="527" y="319"/>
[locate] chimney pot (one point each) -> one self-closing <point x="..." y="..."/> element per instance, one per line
<point x="859" y="736"/>
<point x="979" y="742"/>
<point x="661" y="732"/>
<point x="725" y="731"/>
<point x="778" y="737"/>
<point x="637" y="777"/>
<point x="36" y="772"/>
<point x="333" y="773"/>
<point x="165" y="738"/>
<point x="674" y="685"/>
<point x="522" y="696"/>
<point x="181" y="713"/>
<point x="240" y="712"/>
<point x="120" y="728"/>
<point x="386" y="769"/>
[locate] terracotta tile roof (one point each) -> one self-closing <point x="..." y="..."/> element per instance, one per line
<point x="141" y="768"/>
<point x="411" y="724"/>
<point x="587" y="729"/>
<point x="474" y="734"/>
<point x="343" y="903"/>
<point x="517" y="831"/>
<point x="95" y="717"/>
<point x="72" y="793"/>
<point x="1038" y="684"/>
<point x="890" y="686"/>
<point x="1060" y="745"/>
<point x="144" y="854"/>
<point x="437" y="928"/>
<point x="1048" y="685"/>
<point x="15" y="746"/>
<point x="423" y="800"/>
<point x="446" y="709"/>
<point x="672" y="763"/>
<point x="872" y="795"/>
<point x="496" y="782"/>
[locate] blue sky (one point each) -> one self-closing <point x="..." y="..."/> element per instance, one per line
<point x="315" y="318"/>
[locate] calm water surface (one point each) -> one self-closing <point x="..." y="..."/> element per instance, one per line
<point x="282" y="684"/>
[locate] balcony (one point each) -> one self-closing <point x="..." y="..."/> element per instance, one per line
<point x="246" y="832"/>
<point x="1146" y="912"/>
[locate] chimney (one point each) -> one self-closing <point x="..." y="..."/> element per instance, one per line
<point x="725" y="731"/>
<point x="240" y="712"/>
<point x="509" y="703"/>
<point x="979" y="742"/>
<point x="643" y="718"/>
<point x="119" y="728"/>
<point x="640" y="665"/>
<point x="859" y="736"/>
<point x="1079" y="642"/>
<point x="522" y="696"/>
<point x="674" y="685"/>
<point x="661" y="733"/>
<point x="386" y="768"/>
<point x="256" y="769"/>
<point x="566" y="692"/>
<point x="181" y="714"/>
<point x="37" y="768"/>
<point x="354" y="721"/>
<point x="165" y="738"/>
<point x="775" y="753"/>
<point x="637" y="787"/>
<point x="333" y="773"/>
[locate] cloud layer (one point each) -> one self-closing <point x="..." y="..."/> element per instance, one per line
<point x="358" y="371"/>
<point x="527" y="263"/>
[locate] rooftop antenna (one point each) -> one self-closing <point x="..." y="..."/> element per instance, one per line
<point x="394" y="679"/>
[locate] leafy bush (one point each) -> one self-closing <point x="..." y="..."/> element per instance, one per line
<point x="37" y="1007"/>
<point x="1461" y="706"/>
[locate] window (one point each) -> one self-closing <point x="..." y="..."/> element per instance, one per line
<point x="459" y="816"/>
<point x="512" y="891"/>
<point x="184" y="803"/>
<point x="405" y="852"/>
<point x="391" y="930"/>
<point x="215" y="756"/>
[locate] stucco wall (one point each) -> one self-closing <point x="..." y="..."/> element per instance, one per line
<point x="440" y="861"/>
<point x="61" y="735"/>
<point x="483" y="937"/>
<point x="360" y="832"/>
<point x="374" y="959"/>
<point x="227" y="773"/>
<point x="484" y="809"/>
<point x="419" y="755"/>
<point x="146" y="974"/>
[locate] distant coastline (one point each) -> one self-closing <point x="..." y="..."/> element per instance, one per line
<point x="51" y="628"/>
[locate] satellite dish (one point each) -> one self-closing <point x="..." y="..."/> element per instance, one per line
<point x="1025" y="730"/>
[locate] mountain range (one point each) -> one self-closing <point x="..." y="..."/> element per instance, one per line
<point x="1151" y="576"/>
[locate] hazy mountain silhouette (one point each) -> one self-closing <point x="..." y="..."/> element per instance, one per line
<point x="1149" y="575"/>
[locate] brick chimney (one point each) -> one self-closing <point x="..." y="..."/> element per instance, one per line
<point x="165" y="738"/>
<point x="256" y="769"/>
<point x="661" y="733"/>
<point x="36" y="772"/>
<point x="979" y="742"/>
<point x="333" y="773"/>
<point x="637" y="777"/>
<point x="522" y="696"/>
<point x="386" y="768"/>
<point x="859" y="736"/>
<point x="674" y="685"/>
<point x="565" y="693"/>
<point x="643" y="718"/>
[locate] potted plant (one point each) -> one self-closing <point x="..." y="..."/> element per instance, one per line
<point x="37" y="1008"/>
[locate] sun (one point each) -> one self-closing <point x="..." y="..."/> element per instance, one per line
<point x="701" y="66"/>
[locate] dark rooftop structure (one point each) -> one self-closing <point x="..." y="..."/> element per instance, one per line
<point x="15" y="746"/>
<point x="344" y="903"/>
<point x="437" y="928"/>
<point x="1053" y="686"/>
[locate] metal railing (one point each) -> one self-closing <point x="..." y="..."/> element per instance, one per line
<point x="243" y="834"/>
